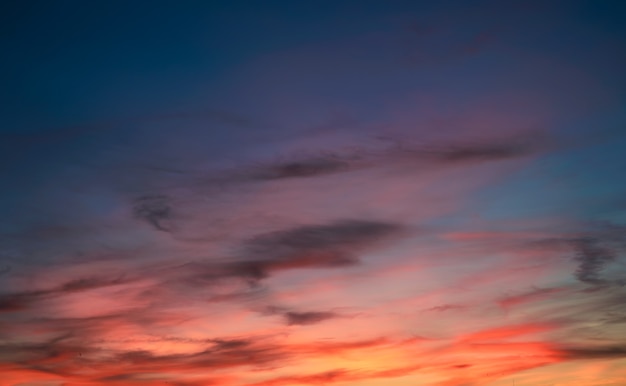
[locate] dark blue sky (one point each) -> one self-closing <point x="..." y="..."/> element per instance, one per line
<point x="75" y="62"/>
<point x="70" y="62"/>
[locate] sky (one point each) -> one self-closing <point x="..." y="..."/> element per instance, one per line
<point x="284" y="193"/>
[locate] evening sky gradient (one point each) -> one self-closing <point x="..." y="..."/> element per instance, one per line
<point x="278" y="193"/>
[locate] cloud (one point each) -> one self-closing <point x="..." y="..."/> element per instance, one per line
<point x="92" y="283"/>
<point x="485" y="152"/>
<point x="339" y="347"/>
<point x="301" y="168"/>
<point x="349" y="235"/>
<point x="506" y="332"/>
<point x="61" y="357"/>
<point x="534" y="295"/>
<point x="10" y="303"/>
<point x="340" y="376"/>
<point x="593" y="257"/>
<point x="306" y="318"/>
<point x="323" y="378"/>
<point x="393" y="151"/>
<point x="390" y="151"/>
<point x="332" y="245"/>
<point x="44" y="356"/>
<point x="151" y="302"/>
<point x="156" y="210"/>
<point x="326" y="161"/>
<point x="446" y="307"/>
<point x="603" y="352"/>
<point x="18" y="301"/>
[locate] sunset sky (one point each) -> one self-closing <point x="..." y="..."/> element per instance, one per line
<point x="299" y="192"/>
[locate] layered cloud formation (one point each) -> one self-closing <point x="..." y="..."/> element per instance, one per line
<point x="433" y="198"/>
<point x="352" y="266"/>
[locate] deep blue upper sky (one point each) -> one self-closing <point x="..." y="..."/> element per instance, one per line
<point x="76" y="62"/>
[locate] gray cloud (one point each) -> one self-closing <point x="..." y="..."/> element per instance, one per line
<point x="592" y="257"/>
<point x="310" y="246"/>
<point x="301" y="168"/>
<point x="601" y="352"/>
<point x="156" y="210"/>
<point x="91" y="282"/>
<point x="484" y="152"/>
<point x="12" y="303"/>
<point x="593" y="251"/>
<point x="391" y="152"/>
<point x="446" y="307"/>
<point x="344" y="235"/>
<point x="334" y="245"/>
<point x="306" y="318"/>
<point x="19" y="301"/>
